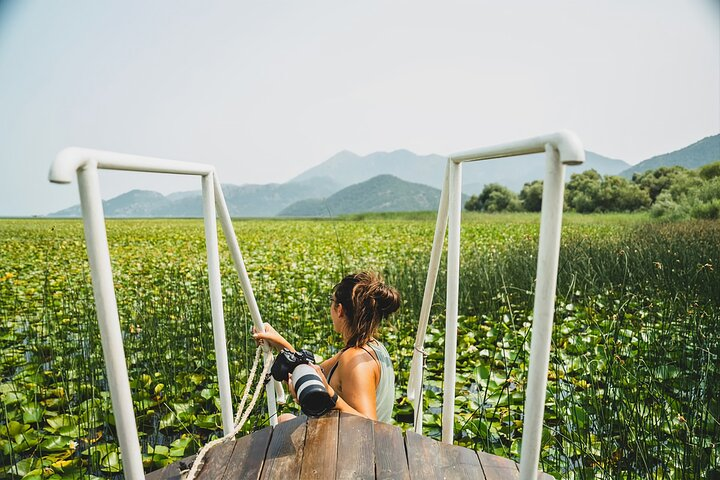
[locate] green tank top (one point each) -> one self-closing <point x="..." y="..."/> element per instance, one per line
<point x="385" y="393"/>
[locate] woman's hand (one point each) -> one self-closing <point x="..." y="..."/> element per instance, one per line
<point x="291" y="387"/>
<point x="274" y="339"/>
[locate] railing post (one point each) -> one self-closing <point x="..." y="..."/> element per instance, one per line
<point x="451" y="306"/>
<point x="561" y="148"/>
<point x="109" y="321"/>
<point x="544" y="309"/>
<point x="85" y="163"/>
<point x="216" y="303"/>
<point x="415" y="393"/>
<point x="231" y="239"/>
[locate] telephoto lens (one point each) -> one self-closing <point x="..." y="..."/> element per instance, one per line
<point x="310" y="390"/>
<point x="309" y="387"/>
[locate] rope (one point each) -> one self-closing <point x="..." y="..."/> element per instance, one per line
<point x="198" y="463"/>
<point x="251" y="375"/>
<point x="421" y="396"/>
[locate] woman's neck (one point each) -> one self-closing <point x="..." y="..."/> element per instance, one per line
<point x="347" y="345"/>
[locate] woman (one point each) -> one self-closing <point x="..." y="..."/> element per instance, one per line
<point x="361" y="373"/>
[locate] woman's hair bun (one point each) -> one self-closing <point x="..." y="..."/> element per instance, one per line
<point x="388" y="299"/>
<point x="367" y="300"/>
<point x="371" y="289"/>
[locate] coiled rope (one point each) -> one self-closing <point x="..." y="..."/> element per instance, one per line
<point x="241" y="416"/>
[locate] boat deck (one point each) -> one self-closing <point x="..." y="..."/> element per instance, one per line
<point x="342" y="446"/>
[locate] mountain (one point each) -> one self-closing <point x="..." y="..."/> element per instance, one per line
<point x="382" y="181"/>
<point x="310" y="207"/>
<point x="347" y="168"/>
<point x="302" y="196"/>
<point x="269" y="200"/>
<point x="696" y="155"/>
<point x="255" y="200"/>
<point x="242" y="201"/>
<point x="135" y="203"/>
<point x="382" y="193"/>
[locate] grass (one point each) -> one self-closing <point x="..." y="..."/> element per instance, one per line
<point x="633" y="383"/>
<point x="511" y="218"/>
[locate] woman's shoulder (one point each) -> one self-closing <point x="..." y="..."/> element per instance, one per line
<point x="357" y="362"/>
<point x="353" y="352"/>
<point x="354" y="356"/>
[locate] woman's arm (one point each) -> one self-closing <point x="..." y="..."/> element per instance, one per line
<point x="274" y="339"/>
<point x="362" y="403"/>
<point x="358" y="373"/>
<point x="330" y="362"/>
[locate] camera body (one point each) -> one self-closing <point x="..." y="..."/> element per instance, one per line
<point x="286" y="361"/>
<point x="309" y="387"/>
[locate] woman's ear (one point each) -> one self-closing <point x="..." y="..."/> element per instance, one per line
<point x="340" y="310"/>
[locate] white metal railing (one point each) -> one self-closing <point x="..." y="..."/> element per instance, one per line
<point x="562" y="148"/>
<point x="85" y="163"/>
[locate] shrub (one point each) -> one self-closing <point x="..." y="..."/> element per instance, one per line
<point x="706" y="210"/>
<point x="705" y="201"/>
<point x="619" y="195"/>
<point x="656" y="181"/>
<point x="531" y="196"/>
<point x="710" y="171"/>
<point x="589" y="192"/>
<point x="667" y="208"/>
<point x="494" y="198"/>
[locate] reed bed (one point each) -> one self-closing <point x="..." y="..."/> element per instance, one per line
<point x="633" y="383"/>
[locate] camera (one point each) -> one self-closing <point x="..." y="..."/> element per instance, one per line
<point x="310" y="390"/>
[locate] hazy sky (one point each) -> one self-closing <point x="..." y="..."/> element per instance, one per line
<point x="265" y="90"/>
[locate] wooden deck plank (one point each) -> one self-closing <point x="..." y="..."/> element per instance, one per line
<point x="459" y="463"/>
<point x="172" y="471"/>
<point x="344" y="447"/>
<point x="422" y="454"/>
<point x="498" y="468"/>
<point x="356" y="452"/>
<point x="286" y="450"/>
<point x="215" y="461"/>
<point x="249" y="455"/>
<point x="390" y="456"/>
<point x="321" y="443"/>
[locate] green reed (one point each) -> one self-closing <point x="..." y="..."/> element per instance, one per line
<point x="632" y="389"/>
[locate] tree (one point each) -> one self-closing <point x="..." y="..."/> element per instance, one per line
<point x="710" y="171"/>
<point x="589" y="192"/>
<point x="676" y="179"/>
<point x="474" y="204"/>
<point x="694" y="194"/>
<point x="531" y="196"/>
<point x="619" y="195"/>
<point x="494" y="198"/>
<point x="582" y="191"/>
<point x="706" y="199"/>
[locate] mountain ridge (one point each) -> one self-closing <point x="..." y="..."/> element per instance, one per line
<point x="306" y="191"/>
<point x="382" y="193"/>
<point x="347" y="168"/>
<point x="695" y="155"/>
